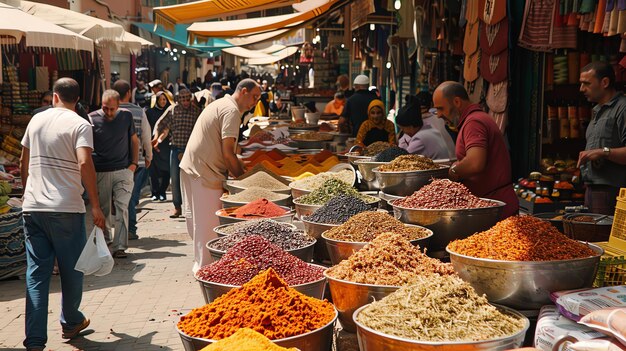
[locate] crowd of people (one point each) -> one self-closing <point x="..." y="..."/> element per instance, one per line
<point x="78" y="167"/>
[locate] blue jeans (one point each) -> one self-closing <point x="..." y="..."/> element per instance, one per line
<point x="51" y="235"/>
<point x="177" y="197"/>
<point x="141" y="176"/>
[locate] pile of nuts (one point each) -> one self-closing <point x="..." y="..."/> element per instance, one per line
<point x="443" y="194"/>
<point x="409" y="163"/>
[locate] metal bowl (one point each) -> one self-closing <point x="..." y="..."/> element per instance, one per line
<point x="349" y="296"/>
<point x="320" y="251"/>
<point x="220" y="233"/>
<point x="365" y="168"/>
<point x="304" y="253"/>
<point x="230" y="220"/>
<point x="525" y="285"/>
<point x="372" y="340"/>
<point x="549" y="217"/>
<point x="340" y="250"/>
<point x="338" y="137"/>
<point x="310" y="144"/>
<point x="450" y="224"/>
<point x="303" y="210"/>
<point x="285" y="201"/>
<point x="353" y="158"/>
<point x="316" y="340"/>
<point x="234" y="188"/>
<point x="212" y="290"/>
<point x="386" y="199"/>
<point x="407" y="182"/>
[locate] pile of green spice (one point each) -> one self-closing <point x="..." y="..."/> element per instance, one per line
<point x="255" y="193"/>
<point x="439" y="309"/>
<point x="315" y="181"/>
<point x="331" y="188"/>
<point x="261" y="180"/>
<point x="409" y="163"/>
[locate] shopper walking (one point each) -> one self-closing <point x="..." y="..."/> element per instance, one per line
<point x="483" y="163"/>
<point x="160" y="166"/>
<point x="177" y="122"/>
<point x="55" y="164"/>
<point x="144" y="133"/>
<point x="209" y="157"/>
<point x="116" y="157"/>
<point x="603" y="162"/>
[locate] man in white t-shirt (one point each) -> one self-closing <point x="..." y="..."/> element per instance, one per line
<point x="209" y="157"/>
<point x="56" y="158"/>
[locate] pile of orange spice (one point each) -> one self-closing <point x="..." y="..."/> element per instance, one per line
<point x="246" y="340"/>
<point x="265" y="304"/>
<point x="521" y="238"/>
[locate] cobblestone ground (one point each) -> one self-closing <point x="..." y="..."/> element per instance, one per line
<point x="133" y="308"/>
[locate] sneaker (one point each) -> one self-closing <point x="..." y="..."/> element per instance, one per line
<point x="162" y="198"/>
<point x="34" y="349"/>
<point x="132" y="236"/>
<point x="72" y="333"/>
<point x="119" y="254"/>
<point x="176" y="214"/>
<point x="154" y="198"/>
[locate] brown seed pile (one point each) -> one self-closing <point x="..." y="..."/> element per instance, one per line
<point x="443" y="194"/>
<point x="389" y="259"/>
<point x="365" y="226"/>
<point x="376" y="148"/>
<point x="521" y="238"/>
<point x="409" y="163"/>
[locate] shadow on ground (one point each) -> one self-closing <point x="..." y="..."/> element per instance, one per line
<point x="144" y="342"/>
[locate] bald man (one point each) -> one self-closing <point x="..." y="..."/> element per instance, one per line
<point x="483" y="163"/>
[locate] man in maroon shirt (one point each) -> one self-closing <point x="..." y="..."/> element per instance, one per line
<point x="483" y="162"/>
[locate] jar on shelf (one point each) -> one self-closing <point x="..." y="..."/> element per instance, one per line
<point x="564" y="130"/>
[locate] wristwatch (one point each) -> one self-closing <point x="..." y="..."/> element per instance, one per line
<point x="607" y="151"/>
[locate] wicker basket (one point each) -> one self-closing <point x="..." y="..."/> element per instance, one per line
<point x="595" y="230"/>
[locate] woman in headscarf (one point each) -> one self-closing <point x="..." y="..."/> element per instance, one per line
<point x="377" y="127"/>
<point x="160" y="168"/>
<point x="419" y="137"/>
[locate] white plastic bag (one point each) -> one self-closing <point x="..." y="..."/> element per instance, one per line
<point x="95" y="258"/>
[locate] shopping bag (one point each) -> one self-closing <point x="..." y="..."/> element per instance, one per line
<point x="95" y="258"/>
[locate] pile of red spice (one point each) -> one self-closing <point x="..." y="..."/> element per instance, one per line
<point x="262" y="208"/>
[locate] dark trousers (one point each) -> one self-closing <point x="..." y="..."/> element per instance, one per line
<point x="601" y="199"/>
<point x="159" y="180"/>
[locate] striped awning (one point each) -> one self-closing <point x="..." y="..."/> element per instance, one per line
<point x="235" y="28"/>
<point x="169" y="16"/>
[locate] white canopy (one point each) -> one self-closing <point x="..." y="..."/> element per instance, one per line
<point x="277" y="56"/>
<point x="37" y="32"/>
<point x="131" y="44"/>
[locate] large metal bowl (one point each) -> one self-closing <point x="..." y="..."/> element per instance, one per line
<point x="230" y="220"/>
<point x="353" y="158"/>
<point x="340" y="250"/>
<point x="220" y="233"/>
<point x="212" y="290"/>
<point x="304" y="253"/>
<point x="349" y="296"/>
<point x="525" y="285"/>
<point x="303" y="210"/>
<point x="233" y="188"/>
<point x="285" y="201"/>
<point x="316" y="340"/>
<point x="296" y="193"/>
<point x="320" y="251"/>
<point x="407" y="182"/>
<point x="372" y="340"/>
<point x="365" y="167"/>
<point x="386" y="199"/>
<point x="450" y="224"/>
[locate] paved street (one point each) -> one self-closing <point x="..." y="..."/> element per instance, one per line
<point x="133" y="308"/>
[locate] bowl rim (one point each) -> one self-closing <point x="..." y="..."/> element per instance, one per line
<point x="367" y="242"/>
<point x="599" y="250"/>
<point x="323" y="278"/>
<point x="288" y="251"/>
<point x="229" y="182"/>
<point x="224" y="198"/>
<point x="296" y="202"/>
<point x="317" y="223"/>
<point x="219" y="227"/>
<point x="363" y="161"/>
<point x="441" y="167"/>
<point x="274" y="340"/>
<point x="358" y="284"/>
<point x="499" y="204"/>
<point x="288" y="213"/>
<point x="441" y="343"/>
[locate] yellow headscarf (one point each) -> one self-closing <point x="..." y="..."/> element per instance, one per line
<point x="376" y="103"/>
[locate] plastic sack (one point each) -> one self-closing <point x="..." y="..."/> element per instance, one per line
<point x="596" y="345"/>
<point x="576" y="304"/>
<point x="95" y="258"/>
<point x="611" y="321"/>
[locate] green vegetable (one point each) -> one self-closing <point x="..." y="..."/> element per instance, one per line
<point x="329" y="189"/>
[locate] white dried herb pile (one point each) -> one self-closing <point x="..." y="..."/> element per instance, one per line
<point x="315" y="181"/>
<point x="255" y="193"/>
<point x="439" y="308"/>
<point x="262" y="180"/>
<point x="389" y="259"/>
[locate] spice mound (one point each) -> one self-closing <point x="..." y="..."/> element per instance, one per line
<point x="338" y="210"/>
<point x="265" y="304"/>
<point x="443" y="194"/>
<point x="280" y="234"/>
<point x="376" y="148"/>
<point x="261" y="180"/>
<point x="255" y="254"/>
<point x="261" y="208"/>
<point x="313" y="182"/>
<point x="255" y="193"/>
<point x="409" y="163"/>
<point x="365" y="226"/>
<point x="246" y="339"/>
<point x="252" y="224"/>
<point x="389" y="154"/>
<point x="329" y="189"/>
<point x="389" y="259"/>
<point x="312" y="136"/>
<point x="439" y="308"/>
<point x="521" y="238"/>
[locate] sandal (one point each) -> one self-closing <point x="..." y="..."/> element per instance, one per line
<point x="119" y="254"/>
<point x="177" y="214"/>
<point x="72" y="333"/>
